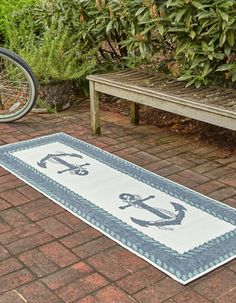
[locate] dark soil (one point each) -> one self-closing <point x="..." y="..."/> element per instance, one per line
<point x="197" y="130"/>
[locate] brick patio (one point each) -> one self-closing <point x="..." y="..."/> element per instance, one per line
<point x="49" y="256"/>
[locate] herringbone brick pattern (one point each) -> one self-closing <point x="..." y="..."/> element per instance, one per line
<point x="49" y="256"/>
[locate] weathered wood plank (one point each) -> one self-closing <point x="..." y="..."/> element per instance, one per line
<point x="94" y="109"/>
<point x="134" y="113"/>
<point x="212" y="104"/>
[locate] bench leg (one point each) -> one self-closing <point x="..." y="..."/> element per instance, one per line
<point x="134" y="110"/>
<point x="94" y="109"/>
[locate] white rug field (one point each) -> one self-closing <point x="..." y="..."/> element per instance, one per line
<point x="177" y="230"/>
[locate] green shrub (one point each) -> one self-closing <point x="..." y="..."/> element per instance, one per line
<point x="7" y="10"/>
<point x="118" y="28"/>
<point x="194" y="39"/>
<point x="203" y="35"/>
<point x="54" y="55"/>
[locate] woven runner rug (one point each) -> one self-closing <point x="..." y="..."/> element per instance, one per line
<point x="177" y="230"/>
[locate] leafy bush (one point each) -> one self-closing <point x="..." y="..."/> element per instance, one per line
<point x="7" y="10"/>
<point x="54" y="55"/>
<point x="194" y="39"/>
<point x="203" y="35"/>
<point x="118" y="28"/>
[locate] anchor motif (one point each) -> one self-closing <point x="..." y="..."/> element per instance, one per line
<point x="71" y="168"/>
<point x="168" y="218"/>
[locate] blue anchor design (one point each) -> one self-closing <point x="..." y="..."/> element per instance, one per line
<point x="72" y="168"/>
<point x="167" y="217"/>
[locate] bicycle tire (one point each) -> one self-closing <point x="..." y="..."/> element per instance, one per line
<point x="12" y="109"/>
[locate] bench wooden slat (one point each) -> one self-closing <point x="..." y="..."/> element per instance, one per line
<point x="208" y="104"/>
<point x="106" y="87"/>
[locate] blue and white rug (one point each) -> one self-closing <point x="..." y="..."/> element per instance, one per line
<point x="179" y="231"/>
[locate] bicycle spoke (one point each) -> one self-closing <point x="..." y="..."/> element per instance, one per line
<point x="18" y="88"/>
<point x="15" y="97"/>
<point x="12" y="89"/>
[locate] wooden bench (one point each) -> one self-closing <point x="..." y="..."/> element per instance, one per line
<point x="209" y="104"/>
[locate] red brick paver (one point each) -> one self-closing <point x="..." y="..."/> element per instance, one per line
<point x="48" y="255"/>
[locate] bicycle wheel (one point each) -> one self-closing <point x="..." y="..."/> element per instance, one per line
<point x="18" y="87"/>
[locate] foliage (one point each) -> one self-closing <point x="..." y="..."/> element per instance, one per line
<point x="7" y="9"/>
<point x="194" y="39"/>
<point x="117" y="27"/>
<point x="55" y="55"/>
<point x="43" y="105"/>
<point x="203" y="34"/>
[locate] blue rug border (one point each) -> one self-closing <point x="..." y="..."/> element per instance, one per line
<point x="183" y="266"/>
